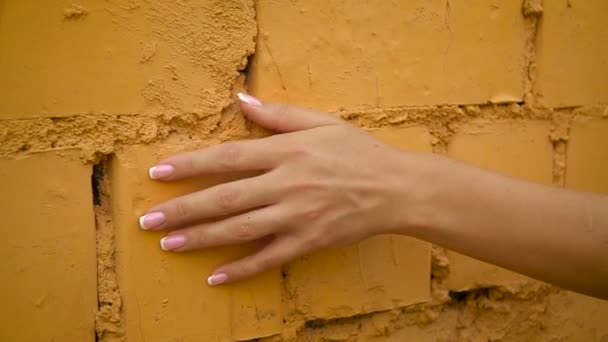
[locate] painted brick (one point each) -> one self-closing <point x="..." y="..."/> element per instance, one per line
<point x="165" y="295"/>
<point x="518" y="149"/>
<point x="48" y="267"/>
<point x="388" y="53"/>
<point x="572" y="53"/>
<point x="587" y="156"/>
<point x="379" y="273"/>
<point x="413" y="138"/>
<point x="120" y="57"/>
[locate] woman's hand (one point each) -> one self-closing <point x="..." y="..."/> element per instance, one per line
<point x="323" y="183"/>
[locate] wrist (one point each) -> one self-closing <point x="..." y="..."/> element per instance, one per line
<point x="417" y="186"/>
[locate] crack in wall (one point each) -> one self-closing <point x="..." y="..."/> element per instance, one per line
<point x="559" y="135"/>
<point x="276" y="67"/>
<point x="108" y="320"/>
<point x="463" y="313"/>
<point x="98" y="135"/>
<point x="559" y="163"/>
<point x="532" y="11"/>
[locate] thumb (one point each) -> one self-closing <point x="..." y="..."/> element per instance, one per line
<point x="283" y="118"/>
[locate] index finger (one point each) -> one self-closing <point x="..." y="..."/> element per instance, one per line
<point x="246" y="155"/>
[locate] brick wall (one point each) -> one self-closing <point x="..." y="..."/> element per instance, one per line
<point x="95" y="92"/>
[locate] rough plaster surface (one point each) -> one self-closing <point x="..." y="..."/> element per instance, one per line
<point x="380" y="273"/>
<point x="389" y="53"/>
<point x="442" y="76"/>
<point x="164" y="293"/>
<point x="587" y="164"/>
<point x="121" y="57"/>
<point x="48" y="255"/>
<point x="533" y="312"/>
<point x="573" y="53"/>
<point x="160" y="295"/>
<point x="512" y="148"/>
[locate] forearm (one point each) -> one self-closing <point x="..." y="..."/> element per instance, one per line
<point x="551" y="234"/>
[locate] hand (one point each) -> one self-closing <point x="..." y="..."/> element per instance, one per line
<point x="323" y="183"/>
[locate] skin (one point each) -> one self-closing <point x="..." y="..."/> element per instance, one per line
<point x="324" y="183"/>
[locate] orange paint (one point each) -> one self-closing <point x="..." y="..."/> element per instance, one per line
<point x="125" y="83"/>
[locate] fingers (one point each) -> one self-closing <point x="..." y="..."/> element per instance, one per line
<point x="277" y="252"/>
<point x="283" y="118"/>
<point x="220" y="200"/>
<point x="246" y="155"/>
<point x="242" y="228"/>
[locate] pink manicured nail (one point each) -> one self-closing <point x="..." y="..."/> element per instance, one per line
<point x="161" y="171"/>
<point x="216" y="279"/>
<point x="248" y="99"/>
<point x="151" y="220"/>
<point x="172" y="242"/>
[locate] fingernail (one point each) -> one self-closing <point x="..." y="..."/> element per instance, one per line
<point x="172" y="242"/>
<point x="248" y="99"/>
<point x="216" y="279"/>
<point x="161" y="171"/>
<point x="151" y="220"/>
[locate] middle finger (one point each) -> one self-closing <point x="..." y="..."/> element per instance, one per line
<point x="219" y="200"/>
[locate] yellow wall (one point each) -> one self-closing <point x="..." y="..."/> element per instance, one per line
<point x="113" y="86"/>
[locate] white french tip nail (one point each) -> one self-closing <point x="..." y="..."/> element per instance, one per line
<point x="162" y="246"/>
<point x="141" y="222"/>
<point x="248" y="99"/>
<point x="151" y="172"/>
<point x="217" y="278"/>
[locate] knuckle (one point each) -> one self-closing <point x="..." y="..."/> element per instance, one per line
<point x="318" y="239"/>
<point x="181" y="208"/>
<point x="309" y="213"/>
<point x="256" y="266"/>
<point x="302" y="185"/>
<point x="312" y="214"/>
<point x="244" y="231"/>
<point x="227" y="198"/>
<point x="298" y="150"/>
<point x="264" y="264"/>
<point x="190" y="165"/>
<point x="281" y="110"/>
<point x="199" y="239"/>
<point x="229" y="156"/>
<point x="246" y="269"/>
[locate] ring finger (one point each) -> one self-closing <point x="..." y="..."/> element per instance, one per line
<point x="217" y="201"/>
<point x="242" y="228"/>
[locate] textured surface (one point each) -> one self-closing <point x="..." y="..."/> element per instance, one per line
<point x="588" y="163"/>
<point x="121" y="57"/>
<point x="122" y="83"/>
<point x="514" y="149"/>
<point x="166" y="294"/>
<point x="530" y="313"/>
<point x="331" y="54"/>
<point x="48" y="255"/>
<point x="573" y="53"/>
<point x="380" y="273"/>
